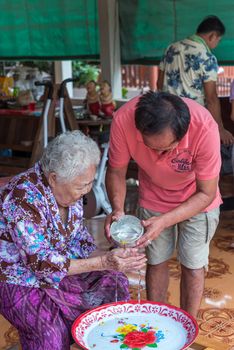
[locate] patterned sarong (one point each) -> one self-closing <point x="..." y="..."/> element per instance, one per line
<point x="44" y="317"/>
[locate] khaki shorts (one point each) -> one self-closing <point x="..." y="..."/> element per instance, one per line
<point x="191" y="238"/>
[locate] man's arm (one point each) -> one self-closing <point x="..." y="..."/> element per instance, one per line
<point x="232" y="100"/>
<point x="201" y="199"/>
<point x="213" y="105"/>
<point x="232" y="111"/>
<point x="116" y="191"/>
<point x="160" y="80"/>
<point x="116" y="187"/>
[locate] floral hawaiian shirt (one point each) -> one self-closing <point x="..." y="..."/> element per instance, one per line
<point x="187" y="64"/>
<point x="35" y="245"/>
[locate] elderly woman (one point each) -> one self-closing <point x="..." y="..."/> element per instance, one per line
<point x="47" y="271"/>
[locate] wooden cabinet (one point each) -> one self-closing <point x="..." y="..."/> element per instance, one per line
<point x="18" y="131"/>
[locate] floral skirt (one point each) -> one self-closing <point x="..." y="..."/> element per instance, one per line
<point x="44" y="317"/>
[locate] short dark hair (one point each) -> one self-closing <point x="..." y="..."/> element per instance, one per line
<point x="211" y="24"/>
<point x="157" y="111"/>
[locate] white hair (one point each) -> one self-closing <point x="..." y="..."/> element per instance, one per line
<point x="69" y="155"/>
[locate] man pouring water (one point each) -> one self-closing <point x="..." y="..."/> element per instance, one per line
<point x="175" y="143"/>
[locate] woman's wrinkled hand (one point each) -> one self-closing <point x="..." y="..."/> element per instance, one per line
<point x="124" y="259"/>
<point x="114" y="216"/>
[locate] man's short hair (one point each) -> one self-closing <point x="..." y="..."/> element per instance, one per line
<point x="211" y="24"/>
<point x="158" y="111"/>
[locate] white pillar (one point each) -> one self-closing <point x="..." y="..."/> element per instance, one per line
<point x="110" y="44"/>
<point x="63" y="70"/>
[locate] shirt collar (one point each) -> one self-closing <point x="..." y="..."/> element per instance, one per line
<point x="41" y="174"/>
<point x="199" y="39"/>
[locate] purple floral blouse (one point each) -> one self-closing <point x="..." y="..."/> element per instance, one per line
<point x="35" y="245"/>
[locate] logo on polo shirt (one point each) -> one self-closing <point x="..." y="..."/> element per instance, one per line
<point x="182" y="162"/>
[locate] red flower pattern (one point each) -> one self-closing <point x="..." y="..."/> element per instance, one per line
<point x="137" y="339"/>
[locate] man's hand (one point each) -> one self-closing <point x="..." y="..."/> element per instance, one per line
<point x="153" y="227"/>
<point x="114" y="216"/>
<point x="124" y="260"/>
<point x="226" y="137"/>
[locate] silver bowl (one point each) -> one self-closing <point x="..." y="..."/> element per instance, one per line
<point x="126" y="231"/>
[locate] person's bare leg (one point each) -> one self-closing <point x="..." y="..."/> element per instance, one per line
<point x="191" y="289"/>
<point x="157" y="280"/>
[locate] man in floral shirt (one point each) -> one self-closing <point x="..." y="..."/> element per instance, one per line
<point x="189" y="69"/>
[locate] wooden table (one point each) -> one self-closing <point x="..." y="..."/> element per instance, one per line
<point x="95" y="128"/>
<point x="90" y="122"/>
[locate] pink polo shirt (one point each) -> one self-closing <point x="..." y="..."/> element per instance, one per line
<point x="167" y="180"/>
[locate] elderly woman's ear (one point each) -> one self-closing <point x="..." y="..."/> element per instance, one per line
<point x="52" y="178"/>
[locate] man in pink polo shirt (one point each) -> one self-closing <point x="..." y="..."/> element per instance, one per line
<point x="175" y="143"/>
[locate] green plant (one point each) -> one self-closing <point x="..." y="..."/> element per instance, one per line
<point x="84" y="72"/>
<point x="124" y="92"/>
